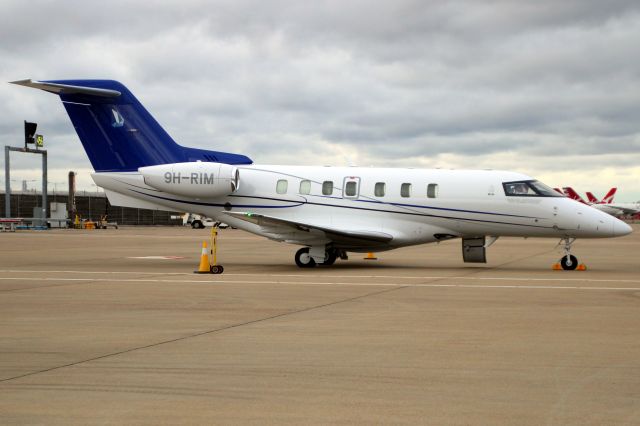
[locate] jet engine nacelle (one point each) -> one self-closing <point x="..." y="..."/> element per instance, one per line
<point x="193" y="179"/>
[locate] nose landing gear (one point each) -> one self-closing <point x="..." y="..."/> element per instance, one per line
<point x="569" y="262"/>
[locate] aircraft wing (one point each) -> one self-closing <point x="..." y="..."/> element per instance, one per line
<point x="624" y="210"/>
<point x="303" y="233"/>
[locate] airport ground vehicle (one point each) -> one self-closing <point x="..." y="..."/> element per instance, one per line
<point x="199" y="222"/>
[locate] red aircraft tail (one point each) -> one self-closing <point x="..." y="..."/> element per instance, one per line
<point x="592" y="198"/>
<point x="569" y="192"/>
<point x="608" y="199"/>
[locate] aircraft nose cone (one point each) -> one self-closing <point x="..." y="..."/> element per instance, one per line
<point x="620" y="228"/>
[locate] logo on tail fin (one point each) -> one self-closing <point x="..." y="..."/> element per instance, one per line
<point x="118" y="120"/>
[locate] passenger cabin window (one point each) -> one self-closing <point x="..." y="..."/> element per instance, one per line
<point x="351" y="189"/>
<point x="405" y="190"/>
<point x="305" y="187"/>
<point x="327" y="187"/>
<point x="432" y="190"/>
<point x="380" y="189"/>
<point x="281" y="187"/>
<point x="529" y="188"/>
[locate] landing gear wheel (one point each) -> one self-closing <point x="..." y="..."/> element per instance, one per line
<point x="217" y="269"/>
<point x="303" y="260"/>
<point x="330" y="257"/>
<point x="569" y="263"/>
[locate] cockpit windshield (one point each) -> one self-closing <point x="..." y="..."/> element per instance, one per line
<point x="529" y="188"/>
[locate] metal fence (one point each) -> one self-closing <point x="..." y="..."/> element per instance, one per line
<point x="89" y="205"/>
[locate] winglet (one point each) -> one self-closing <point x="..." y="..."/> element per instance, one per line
<point x="67" y="89"/>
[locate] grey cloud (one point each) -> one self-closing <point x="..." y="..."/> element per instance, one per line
<point x="395" y="82"/>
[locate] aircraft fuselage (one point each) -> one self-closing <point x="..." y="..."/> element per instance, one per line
<point x="413" y="206"/>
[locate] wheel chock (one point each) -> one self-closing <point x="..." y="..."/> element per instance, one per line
<point x="581" y="267"/>
<point x="557" y="267"/>
<point x="370" y="256"/>
<point x="204" y="267"/>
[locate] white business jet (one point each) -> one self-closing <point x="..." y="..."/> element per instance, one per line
<point x="330" y="211"/>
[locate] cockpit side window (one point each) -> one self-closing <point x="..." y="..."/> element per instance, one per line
<point x="528" y="188"/>
<point x="544" y="190"/>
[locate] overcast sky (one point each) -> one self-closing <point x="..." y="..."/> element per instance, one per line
<point x="548" y="88"/>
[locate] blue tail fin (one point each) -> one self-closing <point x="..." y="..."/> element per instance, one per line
<point x="117" y="132"/>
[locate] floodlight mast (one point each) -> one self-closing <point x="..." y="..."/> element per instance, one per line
<point x="29" y="138"/>
<point x="29" y="133"/>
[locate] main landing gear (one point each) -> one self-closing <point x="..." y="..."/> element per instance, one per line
<point x="568" y="262"/>
<point x="304" y="259"/>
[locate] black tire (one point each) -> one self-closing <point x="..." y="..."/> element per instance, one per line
<point x="303" y="260"/>
<point x="330" y="257"/>
<point x="217" y="269"/>
<point x="196" y="224"/>
<point x="569" y="264"/>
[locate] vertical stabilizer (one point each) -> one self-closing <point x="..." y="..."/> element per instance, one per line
<point x="571" y="193"/>
<point x="117" y="132"/>
<point x="608" y="199"/>
<point x="592" y="198"/>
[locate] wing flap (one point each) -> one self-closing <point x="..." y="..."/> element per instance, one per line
<point x="340" y="237"/>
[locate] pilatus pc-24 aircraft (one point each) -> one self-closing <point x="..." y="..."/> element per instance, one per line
<point x="328" y="210"/>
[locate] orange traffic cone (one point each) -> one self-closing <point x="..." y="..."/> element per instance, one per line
<point x="205" y="267"/>
<point x="371" y="256"/>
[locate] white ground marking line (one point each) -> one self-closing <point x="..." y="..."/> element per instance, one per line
<point x="170" y="237"/>
<point x="389" y="284"/>
<point x="25" y="271"/>
<point x="158" y="257"/>
<point x="394" y="277"/>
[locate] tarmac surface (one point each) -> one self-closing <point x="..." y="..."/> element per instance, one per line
<point x="113" y="327"/>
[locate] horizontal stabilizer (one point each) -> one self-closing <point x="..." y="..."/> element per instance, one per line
<point x="68" y="89"/>
<point x="118" y="199"/>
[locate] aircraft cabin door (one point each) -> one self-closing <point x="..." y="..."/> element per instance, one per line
<point x="351" y="187"/>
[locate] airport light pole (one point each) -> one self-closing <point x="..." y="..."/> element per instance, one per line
<point x="30" y="137"/>
<point x="7" y="184"/>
